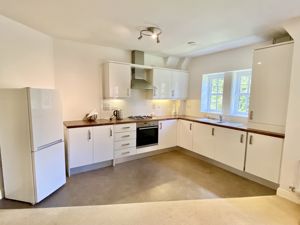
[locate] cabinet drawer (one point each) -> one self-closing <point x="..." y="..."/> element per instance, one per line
<point x="125" y="152"/>
<point x="125" y="144"/>
<point x="125" y="136"/>
<point x="125" y="127"/>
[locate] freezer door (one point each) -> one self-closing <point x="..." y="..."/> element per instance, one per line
<point x="49" y="170"/>
<point x="45" y="113"/>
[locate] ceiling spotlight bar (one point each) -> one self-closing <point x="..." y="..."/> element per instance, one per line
<point x="153" y="32"/>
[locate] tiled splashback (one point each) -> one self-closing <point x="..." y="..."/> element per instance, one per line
<point x="140" y="104"/>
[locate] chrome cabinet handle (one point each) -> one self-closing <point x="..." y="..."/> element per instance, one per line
<point x="251" y="115"/>
<point x="125" y="136"/>
<point x="213" y="131"/>
<point x="125" y="127"/>
<point x="242" y="138"/>
<point x="191" y="126"/>
<point x="251" y="140"/>
<point x="125" y="153"/>
<point x="160" y="126"/>
<point x="126" y="144"/>
<point x="89" y="135"/>
<point x="110" y="132"/>
<point x="154" y="91"/>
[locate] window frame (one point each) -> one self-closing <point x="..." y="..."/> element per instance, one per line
<point x="206" y="97"/>
<point x="236" y="92"/>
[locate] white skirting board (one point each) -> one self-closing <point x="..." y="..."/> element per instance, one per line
<point x="291" y="196"/>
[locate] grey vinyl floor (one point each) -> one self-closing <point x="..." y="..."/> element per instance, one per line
<point x="164" y="177"/>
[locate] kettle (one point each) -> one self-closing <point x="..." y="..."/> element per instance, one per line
<point x="118" y="114"/>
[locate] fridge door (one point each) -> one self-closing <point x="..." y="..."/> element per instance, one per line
<point x="49" y="170"/>
<point x="45" y="113"/>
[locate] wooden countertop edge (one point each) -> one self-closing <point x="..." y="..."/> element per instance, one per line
<point x="78" y="124"/>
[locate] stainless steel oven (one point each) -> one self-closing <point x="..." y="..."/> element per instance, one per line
<point x="146" y="134"/>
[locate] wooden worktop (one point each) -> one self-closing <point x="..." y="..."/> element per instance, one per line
<point x="102" y="122"/>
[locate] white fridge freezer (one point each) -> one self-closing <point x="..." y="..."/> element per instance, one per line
<point x="31" y="143"/>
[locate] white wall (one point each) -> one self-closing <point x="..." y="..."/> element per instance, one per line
<point x="26" y="56"/>
<point x="235" y="59"/>
<point x="78" y="77"/>
<point x="290" y="174"/>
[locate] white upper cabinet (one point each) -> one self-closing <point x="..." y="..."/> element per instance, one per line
<point x="204" y="140"/>
<point x="167" y="134"/>
<point x="161" y="80"/>
<point x="270" y="85"/>
<point x="169" y="84"/>
<point x="230" y="147"/>
<point x="185" y="134"/>
<point x="179" y="84"/>
<point x="264" y="156"/>
<point x="103" y="143"/>
<point x="117" y="80"/>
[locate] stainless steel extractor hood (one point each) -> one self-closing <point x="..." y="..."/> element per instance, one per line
<point x="139" y="76"/>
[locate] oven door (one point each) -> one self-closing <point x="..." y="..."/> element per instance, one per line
<point x="146" y="136"/>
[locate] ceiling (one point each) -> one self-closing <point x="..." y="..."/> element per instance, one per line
<point x="213" y="24"/>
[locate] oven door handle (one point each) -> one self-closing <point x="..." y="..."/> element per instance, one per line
<point x="147" y="128"/>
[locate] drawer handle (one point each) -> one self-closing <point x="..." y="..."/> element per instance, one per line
<point x="125" y="153"/>
<point x="213" y="131"/>
<point x="125" y="136"/>
<point x="251" y="140"/>
<point x="242" y="138"/>
<point x="110" y="133"/>
<point x="125" y="127"/>
<point x="126" y="144"/>
<point x="191" y="126"/>
<point x="251" y="115"/>
<point x="89" y="135"/>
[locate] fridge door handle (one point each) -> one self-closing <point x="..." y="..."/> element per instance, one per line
<point x="49" y="144"/>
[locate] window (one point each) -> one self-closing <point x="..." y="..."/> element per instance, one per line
<point x="241" y="92"/>
<point x="212" y="93"/>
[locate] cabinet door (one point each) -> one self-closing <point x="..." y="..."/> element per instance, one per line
<point x="119" y="80"/>
<point x="80" y="147"/>
<point x="179" y="84"/>
<point x="270" y="85"/>
<point x="264" y="156"/>
<point x="167" y="133"/>
<point x="103" y="143"/>
<point x="162" y="83"/>
<point x="204" y="140"/>
<point x="185" y="134"/>
<point x="230" y="147"/>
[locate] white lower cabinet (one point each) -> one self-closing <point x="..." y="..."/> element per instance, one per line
<point x="204" y="140"/>
<point x="230" y="147"/>
<point x="264" y="156"/>
<point x="167" y="134"/>
<point x="103" y="143"/>
<point x="89" y="145"/>
<point x="80" y="147"/>
<point x="185" y="134"/>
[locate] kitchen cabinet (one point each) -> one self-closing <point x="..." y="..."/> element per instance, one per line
<point x="161" y="80"/>
<point x="103" y="143"/>
<point x="125" y="140"/>
<point x="185" y="134"/>
<point x="179" y="84"/>
<point x="167" y="133"/>
<point x="230" y="147"/>
<point x="117" y="80"/>
<point x="270" y="85"/>
<point x="203" y="140"/>
<point x="80" y="146"/>
<point x="264" y="156"/>
<point x="89" y="145"/>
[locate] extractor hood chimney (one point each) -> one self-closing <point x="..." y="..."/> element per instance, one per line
<point x="139" y="75"/>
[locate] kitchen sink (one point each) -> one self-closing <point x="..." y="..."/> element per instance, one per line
<point x="216" y="121"/>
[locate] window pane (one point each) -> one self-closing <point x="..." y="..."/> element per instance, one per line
<point x="221" y="84"/>
<point x="244" y="88"/>
<point x="219" y="103"/>
<point x="213" y="103"/>
<point x="243" y="104"/>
